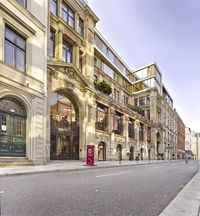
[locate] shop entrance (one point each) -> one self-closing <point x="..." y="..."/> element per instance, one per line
<point x="64" y="128"/>
<point x="102" y="151"/>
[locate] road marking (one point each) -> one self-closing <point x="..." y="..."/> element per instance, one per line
<point x="111" y="174"/>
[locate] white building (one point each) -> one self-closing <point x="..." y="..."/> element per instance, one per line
<point x="23" y="54"/>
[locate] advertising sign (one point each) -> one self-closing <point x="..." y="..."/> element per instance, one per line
<point x="90" y="155"/>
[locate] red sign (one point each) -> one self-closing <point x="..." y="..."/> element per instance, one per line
<point x="90" y="155"/>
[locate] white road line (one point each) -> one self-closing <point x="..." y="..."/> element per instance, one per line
<point x="111" y="174"/>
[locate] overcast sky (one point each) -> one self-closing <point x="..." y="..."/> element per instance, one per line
<point x="165" y="31"/>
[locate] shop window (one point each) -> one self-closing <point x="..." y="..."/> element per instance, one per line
<point x="131" y="128"/>
<point x="118" y="123"/>
<point x="101" y="117"/>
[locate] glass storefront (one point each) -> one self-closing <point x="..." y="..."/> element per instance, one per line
<point x="64" y="128"/>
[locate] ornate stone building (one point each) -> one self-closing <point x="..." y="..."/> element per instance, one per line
<point x="84" y="94"/>
<point x="181" y="137"/>
<point x="23" y="53"/>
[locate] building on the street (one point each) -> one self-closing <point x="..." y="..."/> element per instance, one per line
<point x="169" y="126"/>
<point x="188" y="135"/>
<point x="193" y="145"/>
<point x="198" y="145"/>
<point x="23" y="53"/>
<point x="181" y="137"/>
<point x="71" y="89"/>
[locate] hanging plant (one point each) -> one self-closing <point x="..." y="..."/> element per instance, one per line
<point x="136" y="109"/>
<point x="103" y="87"/>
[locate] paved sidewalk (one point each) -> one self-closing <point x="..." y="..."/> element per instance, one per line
<point x="187" y="202"/>
<point x="59" y="166"/>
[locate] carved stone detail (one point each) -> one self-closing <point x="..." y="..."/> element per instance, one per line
<point x="69" y="85"/>
<point x="53" y="74"/>
<point x="70" y="73"/>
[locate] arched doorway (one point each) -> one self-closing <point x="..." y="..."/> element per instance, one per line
<point x="131" y="155"/>
<point x="64" y="127"/>
<point x="119" y="152"/>
<point x="101" y="151"/>
<point x="12" y="128"/>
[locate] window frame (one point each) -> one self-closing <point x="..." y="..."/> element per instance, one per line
<point x="15" y="47"/>
<point x="67" y="10"/>
<point x="80" y="28"/>
<point x="50" y="37"/>
<point x="70" y="48"/>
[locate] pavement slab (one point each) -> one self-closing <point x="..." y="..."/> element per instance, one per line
<point x="187" y="202"/>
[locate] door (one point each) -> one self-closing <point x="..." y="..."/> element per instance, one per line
<point x="12" y="135"/>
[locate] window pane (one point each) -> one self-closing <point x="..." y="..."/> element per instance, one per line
<point x="22" y="3"/>
<point x="20" y="59"/>
<point x="10" y="35"/>
<point x="71" y="13"/>
<point x="80" y="26"/>
<point x="67" y="53"/>
<point x="53" y="7"/>
<point x="21" y="42"/>
<point x="9" y="53"/>
<point x="64" y="16"/>
<point x="51" y="51"/>
<point x="71" y="22"/>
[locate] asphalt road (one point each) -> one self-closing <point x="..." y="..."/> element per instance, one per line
<point x="142" y="190"/>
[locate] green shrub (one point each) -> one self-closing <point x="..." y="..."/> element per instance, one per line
<point x="136" y="109"/>
<point x="103" y="87"/>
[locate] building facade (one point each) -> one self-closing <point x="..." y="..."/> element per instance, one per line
<point x="198" y="145"/>
<point x="23" y="86"/>
<point x="181" y="137"/>
<point x="71" y="89"/>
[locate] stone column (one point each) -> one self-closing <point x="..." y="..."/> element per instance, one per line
<point x="112" y="139"/>
<point x="76" y="53"/>
<point x="58" y="43"/>
<point x="59" y="6"/>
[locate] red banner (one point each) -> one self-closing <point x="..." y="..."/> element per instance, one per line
<point x="90" y="155"/>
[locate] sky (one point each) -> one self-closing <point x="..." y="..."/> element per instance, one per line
<point x="165" y="31"/>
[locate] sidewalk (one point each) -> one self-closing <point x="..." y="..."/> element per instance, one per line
<point x="187" y="202"/>
<point x="64" y="166"/>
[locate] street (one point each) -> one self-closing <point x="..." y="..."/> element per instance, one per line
<point x="139" y="190"/>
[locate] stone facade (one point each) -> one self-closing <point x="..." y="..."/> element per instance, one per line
<point x="23" y="82"/>
<point x="85" y="94"/>
<point x="181" y="137"/>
